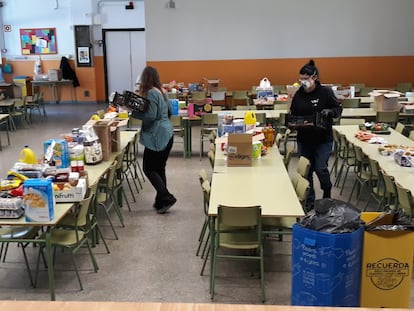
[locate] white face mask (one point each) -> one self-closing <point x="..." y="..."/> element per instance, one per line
<point x="305" y="83"/>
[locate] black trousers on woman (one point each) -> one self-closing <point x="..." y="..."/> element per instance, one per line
<point x="154" y="163"/>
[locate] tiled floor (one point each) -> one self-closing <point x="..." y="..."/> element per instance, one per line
<point x="154" y="258"/>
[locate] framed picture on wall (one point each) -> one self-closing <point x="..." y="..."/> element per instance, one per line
<point x="38" y="41"/>
<point x="83" y="55"/>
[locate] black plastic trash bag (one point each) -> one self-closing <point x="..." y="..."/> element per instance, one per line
<point x="393" y="220"/>
<point x="333" y="216"/>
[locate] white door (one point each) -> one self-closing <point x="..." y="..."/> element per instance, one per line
<point x="125" y="58"/>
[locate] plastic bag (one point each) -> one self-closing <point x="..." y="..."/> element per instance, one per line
<point x="265" y="84"/>
<point x="333" y="216"/>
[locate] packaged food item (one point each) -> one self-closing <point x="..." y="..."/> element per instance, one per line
<point x="38" y="200"/>
<point x="57" y="152"/>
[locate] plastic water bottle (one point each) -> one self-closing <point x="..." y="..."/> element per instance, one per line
<point x="27" y="155"/>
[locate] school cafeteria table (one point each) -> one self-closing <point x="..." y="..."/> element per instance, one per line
<point x="94" y="172"/>
<point x="161" y="306"/>
<point x="54" y="88"/>
<point x="403" y="175"/>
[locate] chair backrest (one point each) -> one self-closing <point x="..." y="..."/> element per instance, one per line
<point x="388" y="117"/>
<point x="279" y="89"/>
<point x="404" y="87"/>
<point x="240" y="94"/>
<point x="303" y="166"/>
<point x="302" y="188"/>
<point x="357" y="86"/>
<point x="198" y="95"/>
<point x="345" y="121"/>
<point x="83" y="212"/>
<point x="209" y="119"/>
<point x="405" y="199"/>
<point x="288" y="156"/>
<point x="177" y="122"/>
<point x="400" y="128"/>
<point x="278" y="139"/>
<point x="238" y="216"/>
<point x="364" y="91"/>
<point x="261" y="117"/>
<point x="411" y="136"/>
<point x="351" y="102"/>
<point x="172" y="95"/>
<point x="134" y="123"/>
<point x="244" y="107"/>
<point x="390" y="188"/>
<point x="211" y="157"/>
<point x="202" y="176"/>
<point x="280" y="106"/>
<point x="206" y="188"/>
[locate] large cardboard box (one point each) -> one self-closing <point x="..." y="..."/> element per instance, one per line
<point x="38" y="200"/>
<point x="387" y="263"/>
<point x="385" y="100"/>
<point x="239" y="150"/>
<point x="73" y="194"/>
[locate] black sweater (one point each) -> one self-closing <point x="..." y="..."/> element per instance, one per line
<point x="305" y="104"/>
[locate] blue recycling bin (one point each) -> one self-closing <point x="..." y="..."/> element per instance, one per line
<point x="326" y="267"/>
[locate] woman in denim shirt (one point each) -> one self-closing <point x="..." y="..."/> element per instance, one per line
<point x="156" y="135"/>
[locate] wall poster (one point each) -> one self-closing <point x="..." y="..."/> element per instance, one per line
<point x="38" y="41"/>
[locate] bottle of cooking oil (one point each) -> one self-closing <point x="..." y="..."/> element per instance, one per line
<point x="27" y="155"/>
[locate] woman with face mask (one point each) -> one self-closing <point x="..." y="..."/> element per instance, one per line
<point x="314" y="142"/>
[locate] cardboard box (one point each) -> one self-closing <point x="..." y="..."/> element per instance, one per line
<point x="387" y="263"/>
<point x="74" y="194"/>
<point x="38" y="200"/>
<point x="239" y="150"/>
<point x="55" y="74"/>
<point x="385" y="100"/>
<point x="60" y="152"/>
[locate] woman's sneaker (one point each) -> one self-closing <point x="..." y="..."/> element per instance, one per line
<point x="166" y="205"/>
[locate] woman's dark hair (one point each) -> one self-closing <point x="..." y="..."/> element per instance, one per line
<point x="309" y="69"/>
<point x="150" y="79"/>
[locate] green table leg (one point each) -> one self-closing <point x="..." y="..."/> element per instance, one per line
<point x="50" y="270"/>
<point x="187" y="138"/>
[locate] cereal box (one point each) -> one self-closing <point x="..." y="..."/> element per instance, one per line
<point x="38" y="200"/>
<point x="57" y="152"/>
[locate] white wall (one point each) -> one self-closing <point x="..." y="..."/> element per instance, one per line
<point x="62" y="15"/>
<point x="247" y="29"/>
<point x="228" y="29"/>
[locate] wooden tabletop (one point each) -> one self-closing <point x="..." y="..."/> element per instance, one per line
<point x="403" y="175"/>
<point x="265" y="183"/>
<point x="160" y="306"/>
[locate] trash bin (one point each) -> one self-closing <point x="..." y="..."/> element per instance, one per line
<point x="387" y="263"/>
<point x="23" y="86"/>
<point x="326" y="256"/>
<point x="326" y="267"/>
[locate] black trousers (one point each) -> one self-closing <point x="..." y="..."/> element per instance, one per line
<point x="154" y="163"/>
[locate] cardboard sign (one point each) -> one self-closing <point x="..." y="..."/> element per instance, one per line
<point x="239" y="150"/>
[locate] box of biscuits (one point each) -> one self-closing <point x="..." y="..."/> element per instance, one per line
<point x="38" y="200"/>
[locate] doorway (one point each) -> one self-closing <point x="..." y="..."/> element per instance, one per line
<point x="125" y="58"/>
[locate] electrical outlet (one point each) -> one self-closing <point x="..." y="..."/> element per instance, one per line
<point x="86" y="93"/>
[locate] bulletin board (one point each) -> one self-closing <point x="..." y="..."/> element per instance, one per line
<point x="38" y="41"/>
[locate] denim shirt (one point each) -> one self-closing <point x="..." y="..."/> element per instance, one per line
<point x="156" y="130"/>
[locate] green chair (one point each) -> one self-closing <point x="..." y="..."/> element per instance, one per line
<point x="364" y="91"/>
<point x="198" y="96"/>
<point x="351" y="103"/>
<point x="405" y="200"/>
<point x="389" y="117"/>
<point x="279" y="89"/>
<point x="376" y="182"/>
<point x="362" y="174"/>
<point x="404" y="87"/>
<point x="72" y="239"/>
<point x="238" y="229"/>
<point x="243" y="107"/>
<point x="240" y="98"/>
<point x="261" y="118"/>
<point x="178" y="129"/>
<point x="209" y="123"/>
<point x="205" y="187"/>
<point x="391" y="196"/>
<point x="91" y="227"/>
<point x="107" y="197"/>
